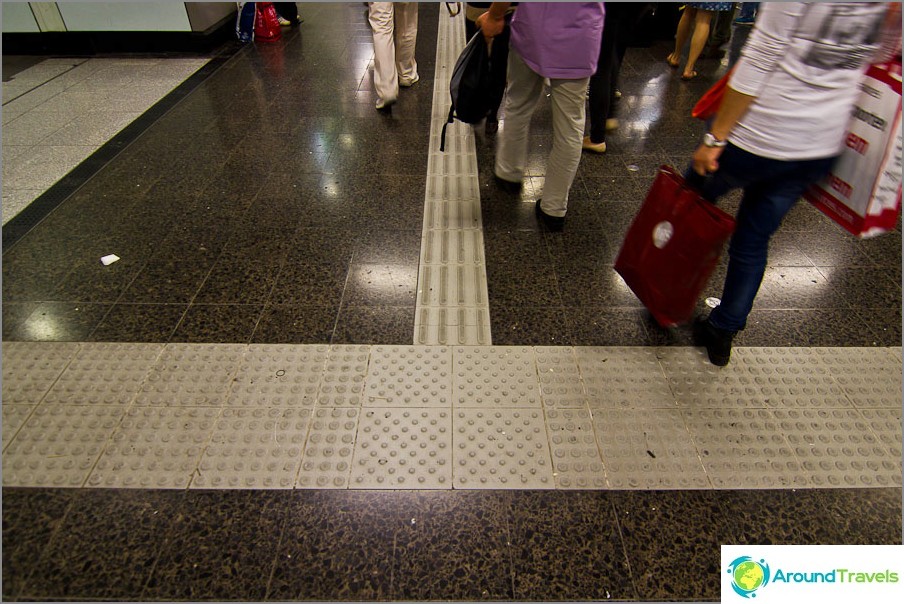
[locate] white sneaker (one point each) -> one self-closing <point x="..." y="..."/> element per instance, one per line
<point x="409" y="83"/>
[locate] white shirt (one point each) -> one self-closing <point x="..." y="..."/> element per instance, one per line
<point x="803" y="63"/>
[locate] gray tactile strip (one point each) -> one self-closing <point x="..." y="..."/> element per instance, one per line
<point x="452" y="307"/>
<point x="437" y="417"/>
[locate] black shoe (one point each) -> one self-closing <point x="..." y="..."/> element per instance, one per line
<point x="507" y="185"/>
<point x="491" y="127"/>
<point x="553" y="223"/>
<point x="717" y="341"/>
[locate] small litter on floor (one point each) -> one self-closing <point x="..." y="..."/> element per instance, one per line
<point x="713" y="302"/>
<point x="109" y="259"/>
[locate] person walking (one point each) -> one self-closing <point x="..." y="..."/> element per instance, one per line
<point x="394" y="28"/>
<point x="779" y="128"/>
<point x="561" y="42"/>
<point x="696" y="18"/>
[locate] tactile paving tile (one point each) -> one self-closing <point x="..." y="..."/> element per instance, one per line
<point x="495" y="376"/>
<point x="452" y="247"/>
<point x="743" y="448"/>
<point x="342" y="383"/>
<point x="191" y="375"/>
<point x="617" y="377"/>
<point x="452" y="286"/>
<point x="871" y="377"/>
<point x="409" y="376"/>
<point x="836" y="448"/>
<point x="886" y="425"/>
<point x="104" y="374"/>
<point x="403" y="449"/>
<point x="452" y="326"/>
<point x="31" y="368"/>
<point x="13" y="418"/>
<point x="648" y="449"/>
<point x="254" y="449"/>
<point x="59" y="445"/>
<point x="576" y="460"/>
<point x="443" y="187"/>
<point x="560" y="379"/>
<point x="501" y="449"/>
<point x="155" y="447"/>
<point x="756" y="378"/>
<point x="327" y="461"/>
<point x="276" y="375"/>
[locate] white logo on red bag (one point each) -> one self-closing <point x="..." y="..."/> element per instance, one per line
<point x="662" y="232"/>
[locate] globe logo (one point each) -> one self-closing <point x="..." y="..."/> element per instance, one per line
<point x="748" y="575"/>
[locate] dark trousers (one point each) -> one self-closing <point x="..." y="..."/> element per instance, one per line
<point x="621" y="18"/>
<point x="771" y="188"/>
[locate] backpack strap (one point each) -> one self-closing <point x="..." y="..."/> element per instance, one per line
<point x="442" y="137"/>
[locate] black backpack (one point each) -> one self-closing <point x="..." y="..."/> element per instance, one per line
<point x="470" y="85"/>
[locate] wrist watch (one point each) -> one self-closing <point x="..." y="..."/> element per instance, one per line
<point x="711" y="141"/>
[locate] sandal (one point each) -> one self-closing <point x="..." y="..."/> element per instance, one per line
<point x="672" y="65"/>
<point x="686" y="77"/>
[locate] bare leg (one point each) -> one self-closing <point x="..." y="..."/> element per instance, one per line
<point x="681" y="36"/>
<point x="698" y="41"/>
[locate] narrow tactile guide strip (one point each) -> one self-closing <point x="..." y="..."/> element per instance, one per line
<point x="272" y="416"/>
<point x="452" y="306"/>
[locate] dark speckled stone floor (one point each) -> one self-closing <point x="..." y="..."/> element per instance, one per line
<point x="244" y="215"/>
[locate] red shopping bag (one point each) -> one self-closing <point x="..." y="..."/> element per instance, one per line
<point x="709" y="103"/>
<point x="266" y="24"/>
<point x="672" y="248"/>
<point x="862" y="192"/>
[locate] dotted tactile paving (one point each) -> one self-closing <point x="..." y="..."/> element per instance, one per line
<point x="155" y="447"/>
<point x="327" y="461"/>
<point x="191" y="375"/>
<point x="886" y="425"/>
<point x="31" y="368"/>
<point x="623" y="377"/>
<point x="254" y="449"/>
<point x="104" y="374"/>
<point x="13" y="418"/>
<point x="648" y="449"/>
<point x="501" y="449"/>
<point x="409" y="376"/>
<point x="342" y="384"/>
<point x="403" y="449"/>
<point x="497" y="376"/>
<point x="870" y="377"/>
<point x="59" y="445"/>
<point x="274" y="375"/>
<point x="560" y="378"/>
<point x="743" y="448"/>
<point x="836" y="448"/>
<point x="576" y="460"/>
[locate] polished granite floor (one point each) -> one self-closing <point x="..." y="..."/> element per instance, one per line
<point x="272" y="204"/>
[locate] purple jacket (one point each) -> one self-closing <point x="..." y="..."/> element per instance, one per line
<point x="559" y="40"/>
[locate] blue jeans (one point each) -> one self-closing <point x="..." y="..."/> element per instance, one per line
<point x="771" y="188"/>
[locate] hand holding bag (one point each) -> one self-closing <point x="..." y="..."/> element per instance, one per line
<point x="672" y="248"/>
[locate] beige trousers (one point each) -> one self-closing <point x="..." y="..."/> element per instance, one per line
<point x="394" y="26"/>
<point x="568" y="113"/>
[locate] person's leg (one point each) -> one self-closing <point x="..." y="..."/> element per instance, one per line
<point x="602" y="84"/>
<point x="386" y="79"/>
<point x="568" y="114"/>
<point x="685" y="24"/>
<point x="405" y="41"/>
<point x="522" y="94"/>
<point x="698" y="41"/>
<point x="763" y="207"/>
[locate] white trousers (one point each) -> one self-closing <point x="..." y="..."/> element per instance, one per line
<point x="394" y="25"/>
<point x="522" y="93"/>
